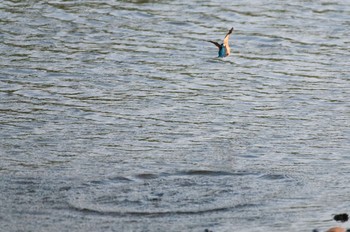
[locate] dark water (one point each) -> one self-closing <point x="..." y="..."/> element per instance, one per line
<point x="117" y="115"/>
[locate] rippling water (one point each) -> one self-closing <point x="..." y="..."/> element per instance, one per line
<point x="117" y="115"/>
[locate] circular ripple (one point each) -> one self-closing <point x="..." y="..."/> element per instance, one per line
<point x="181" y="193"/>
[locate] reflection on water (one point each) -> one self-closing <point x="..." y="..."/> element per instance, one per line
<point x="118" y="115"/>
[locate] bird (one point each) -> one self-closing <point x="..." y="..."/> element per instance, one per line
<point x="224" y="48"/>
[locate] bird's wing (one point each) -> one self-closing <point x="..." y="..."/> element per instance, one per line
<point x="227" y="36"/>
<point x="216" y="44"/>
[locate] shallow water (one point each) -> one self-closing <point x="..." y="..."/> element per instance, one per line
<point x="117" y="115"/>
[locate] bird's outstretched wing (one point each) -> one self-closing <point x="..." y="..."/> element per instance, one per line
<point x="216" y="44"/>
<point x="227" y="36"/>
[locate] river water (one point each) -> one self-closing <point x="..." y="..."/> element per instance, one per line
<point x="118" y="115"/>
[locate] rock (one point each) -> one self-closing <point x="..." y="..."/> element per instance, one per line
<point x="341" y="217"/>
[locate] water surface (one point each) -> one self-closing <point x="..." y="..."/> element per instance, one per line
<point x="117" y="115"/>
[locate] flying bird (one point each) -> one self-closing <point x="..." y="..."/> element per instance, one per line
<point x="224" y="48"/>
